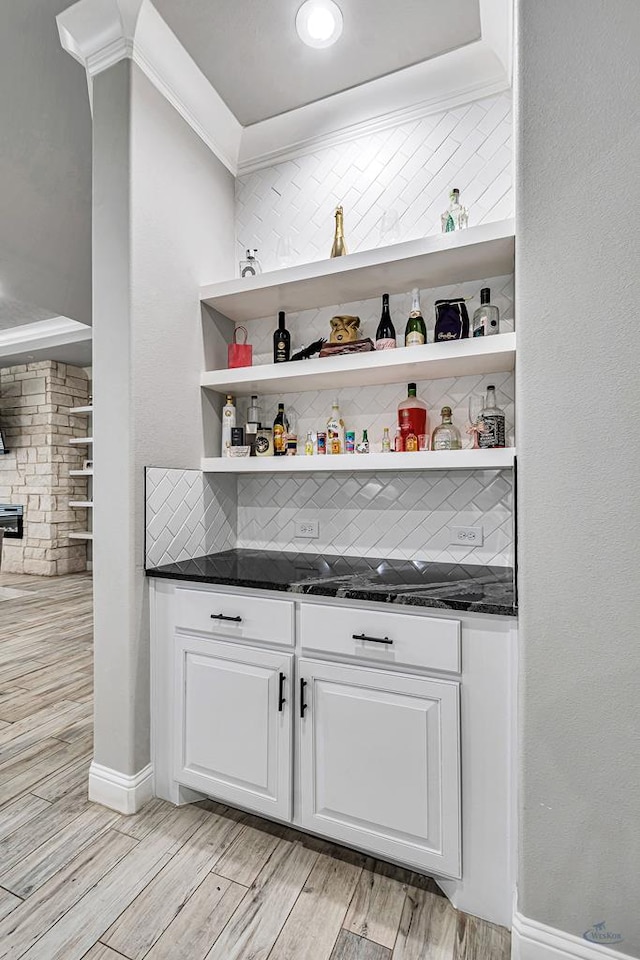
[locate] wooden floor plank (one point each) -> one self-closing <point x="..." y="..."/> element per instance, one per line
<point x="68" y="778"/>
<point x="83" y="925"/>
<point x="15" y="814"/>
<point x="314" y="923"/>
<point x="138" y="928"/>
<point x="201" y="921"/>
<point x="30" y="921"/>
<point x="100" y="952"/>
<point x="351" y="947"/>
<point x="376" y="907"/>
<point x="55" y="757"/>
<point x="43" y="723"/>
<point x="480" y="940"/>
<point x="254" y="927"/>
<point x="427" y="928"/>
<point x="247" y="855"/>
<point x="8" y="903"/>
<point x="146" y="820"/>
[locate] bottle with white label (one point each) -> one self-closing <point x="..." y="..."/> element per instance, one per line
<point x="492" y="421"/>
<point x="335" y="430"/>
<point x="486" y="319"/>
<point x="415" y="332"/>
<point x="228" y="421"/>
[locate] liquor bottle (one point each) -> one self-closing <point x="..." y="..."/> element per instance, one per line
<point x="339" y="248"/>
<point x="280" y="430"/>
<point x="386" y="441"/>
<point x="228" y="422"/>
<point x="398" y="442"/>
<point x="281" y="341"/>
<point x="412" y="416"/>
<point x="416" y="330"/>
<point x="455" y="216"/>
<point x="253" y="415"/>
<point x="250" y="267"/>
<point x="386" y="333"/>
<point x="446" y="436"/>
<point x="308" y="444"/>
<point x="335" y="430"/>
<point x="486" y="319"/>
<point x="363" y="446"/>
<point x="492" y="419"/>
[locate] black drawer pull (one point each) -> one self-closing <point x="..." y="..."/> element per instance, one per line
<point x="281" y="697"/>
<point x="303" y="705"/>
<point x="221" y="616"/>
<point x="362" y="636"/>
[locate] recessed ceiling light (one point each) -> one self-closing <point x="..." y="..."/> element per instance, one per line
<point x="319" y="22"/>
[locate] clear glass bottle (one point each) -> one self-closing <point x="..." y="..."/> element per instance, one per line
<point x="415" y="332"/>
<point x="446" y="436"/>
<point x="253" y="415"/>
<point x="486" y="319"/>
<point x="335" y="430"/>
<point x="492" y="420"/>
<point x="250" y="267"/>
<point x="455" y="217"/>
<point x="228" y="421"/>
<point x="308" y="444"/>
<point x="386" y="441"/>
<point x="412" y="415"/>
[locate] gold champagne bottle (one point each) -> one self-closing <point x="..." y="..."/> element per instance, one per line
<point x="339" y="248"/>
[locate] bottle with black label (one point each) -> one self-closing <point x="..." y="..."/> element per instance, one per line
<point x="491" y="419"/>
<point x="415" y="333"/>
<point x="280" y="430"/>
<point x="486" y="319"/>
<point x="386" y="332"/>
<point x="281" y="341"/>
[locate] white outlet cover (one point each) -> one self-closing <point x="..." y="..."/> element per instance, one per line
<point x="467" y="536"/>
<point x="307" y="529"/>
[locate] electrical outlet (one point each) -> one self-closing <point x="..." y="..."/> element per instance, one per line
<point x="309" y="529"/>
<point x="467" y="536"/>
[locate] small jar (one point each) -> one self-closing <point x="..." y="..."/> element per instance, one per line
<point x="264" y="442"/>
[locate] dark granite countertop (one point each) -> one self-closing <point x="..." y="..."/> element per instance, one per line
<point x="448" y="586"/>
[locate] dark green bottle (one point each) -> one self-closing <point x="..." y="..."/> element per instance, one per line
<point x="415" y="333"/>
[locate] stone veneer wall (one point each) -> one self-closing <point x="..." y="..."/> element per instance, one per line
<point x="35" y="400"/>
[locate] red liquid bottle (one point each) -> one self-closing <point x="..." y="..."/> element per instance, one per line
<point x="412" y="415"/>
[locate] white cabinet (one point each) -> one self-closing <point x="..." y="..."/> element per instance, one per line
<point x="380" y="763"/>
<point x="233" y="723"/>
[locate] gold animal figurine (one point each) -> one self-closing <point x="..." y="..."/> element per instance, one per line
<point x="344" y="329"/>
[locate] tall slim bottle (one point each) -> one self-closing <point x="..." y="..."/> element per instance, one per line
<point x="281" y="341"/>
<point x="228" y="421"/>
<point x="339" y="248"/>
<point x="416" y="331"/>
<point x="386" y="332"/>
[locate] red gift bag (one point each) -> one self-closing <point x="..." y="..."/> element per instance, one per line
<point x="240" y="354"/>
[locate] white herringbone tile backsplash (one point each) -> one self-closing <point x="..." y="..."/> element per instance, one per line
<point x="401" y="516"/>
<point x="409" y="168"/>
<point x="189" y="514"/>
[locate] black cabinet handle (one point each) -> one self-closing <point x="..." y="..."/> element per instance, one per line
<point x="221" y="616"/>
<point x="303" y="705"/>
<point x="281" y="697"/>
<point x="362" y="636"/>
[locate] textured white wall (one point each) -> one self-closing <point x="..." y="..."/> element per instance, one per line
<point x="409" y="169"/>
<point x="579" y="469"/>
<point x="163" y="224"/>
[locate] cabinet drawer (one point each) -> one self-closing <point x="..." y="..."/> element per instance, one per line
<point x="389" y="638"/>
<point x="232" y="615"/>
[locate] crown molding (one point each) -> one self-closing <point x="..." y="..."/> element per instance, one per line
<point x="101" y="33"/>
<point x="56" y="332"/>
<point x="456" y="78"/>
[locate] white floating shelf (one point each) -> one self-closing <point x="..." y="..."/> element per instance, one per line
<point x="88" y="409"/>
<point x="427" y="460"/>
<point x="480" y="252"/>
<point x="81" y="535"/>
<point x="81" y="504"/>
<point x="81" y="441"/>
<point x="433" y="361"/>
<point x="81" y="473"/>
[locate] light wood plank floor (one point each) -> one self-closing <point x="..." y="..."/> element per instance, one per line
<point x="202" y="882"/>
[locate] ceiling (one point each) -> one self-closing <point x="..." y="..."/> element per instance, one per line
<point x="76" y="354"/>
<point x="275" y="72"/>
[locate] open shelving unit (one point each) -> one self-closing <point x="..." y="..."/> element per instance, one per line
<point x="487" y="250"/>
<point x="88" y="503"/>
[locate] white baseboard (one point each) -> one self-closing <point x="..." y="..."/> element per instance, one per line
<point x="120" y="791"/>
<point x="531" y="940"/>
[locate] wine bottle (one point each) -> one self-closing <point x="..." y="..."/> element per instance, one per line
<point x="281" y="341"/>
<point x="386" y="332"/>
<point x="280" y="429"/>
<point x="416" y="330"/>
<point x="339" y="248"/>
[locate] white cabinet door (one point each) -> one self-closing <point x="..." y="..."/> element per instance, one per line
<point x="233" y="722"/>
<point x="380" y="763"/>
